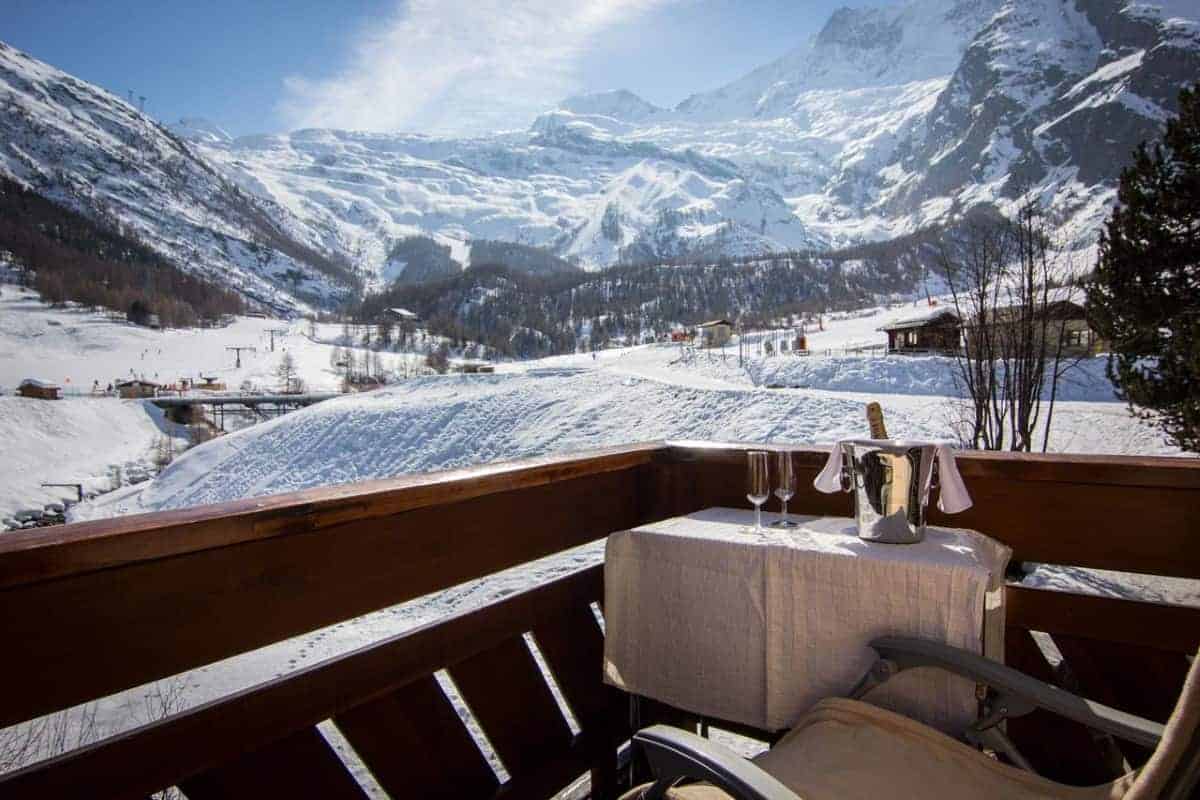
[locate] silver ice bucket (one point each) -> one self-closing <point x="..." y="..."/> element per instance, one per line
<point x="888" y="481"/>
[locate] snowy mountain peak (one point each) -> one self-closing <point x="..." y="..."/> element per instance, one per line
<point x="857" y="48"/>
<point x="620" y="104"/>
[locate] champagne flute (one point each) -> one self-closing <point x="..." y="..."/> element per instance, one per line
<point x="758" y="484"/>
<point x="786" y="490"/>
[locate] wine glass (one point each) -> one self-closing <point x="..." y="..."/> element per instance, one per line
<point x="758" y="484"/>
<point x="786" y="489"/>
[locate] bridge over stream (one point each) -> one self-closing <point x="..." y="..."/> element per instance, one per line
<point x="216" y="407"/>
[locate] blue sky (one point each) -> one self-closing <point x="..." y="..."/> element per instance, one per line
<point x="422" y="65"/>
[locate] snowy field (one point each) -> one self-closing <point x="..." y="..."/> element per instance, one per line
<point x="74" y="348"/>
<point x="572" y="404"/>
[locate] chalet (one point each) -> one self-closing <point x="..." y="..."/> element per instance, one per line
<point x="715" y="333"/>
<point x="362" y="383"/>
<point x="39" y="390"/>
<point x="136" y="389"/>
<point x="937" y="330"/>
<point x="1065" y="315"/>
<point x="404" y="316"/>
<point x="209" y="383"/>
<point x="473" y="367"/>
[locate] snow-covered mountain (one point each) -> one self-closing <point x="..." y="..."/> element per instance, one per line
<point x="888" y="120"/>
<point x="858" y="48"/>
<point x="1049" y="99"/>
<point x="577" y="184"/>
<point x="89" y="150"/>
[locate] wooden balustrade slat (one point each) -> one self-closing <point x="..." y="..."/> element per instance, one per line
<point x="1140" y="680"/>
<point x="166" y="752"/>
<point x="300" y="765"/>
<point x="1174" y="629"/>
<point x="1132" y="528"/>
<point x="1058" y="748"/>
<point x="573" y="646"/>
<point x="1050" y="509"/>
<point x="506" y="693"/>
<point x="1117" y="470"/>
<point x="415" y="745"/>
<point x="151" y="619"/>
<point x="45" y="553"/>
<point x="547" y="780"/>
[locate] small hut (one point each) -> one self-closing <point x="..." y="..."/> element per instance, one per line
<point x="362" y="383"/>
<point x="473" y="367"/>
<point x="209" y="383"/>
<point x="39" y="390"/>
<point x="404" y="316"/>
<point x="938" y="330"/>
<point x="136" y="389"/>
<point x="715" y="333"/>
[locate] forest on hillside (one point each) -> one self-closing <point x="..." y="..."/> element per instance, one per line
<point x="531" y="315"/>
<point x="70" y="257"/>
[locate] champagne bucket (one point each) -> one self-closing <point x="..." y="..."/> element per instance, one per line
<point x="887" y="479"/>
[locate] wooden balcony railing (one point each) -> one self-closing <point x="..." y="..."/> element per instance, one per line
<point x="93" y="609"/>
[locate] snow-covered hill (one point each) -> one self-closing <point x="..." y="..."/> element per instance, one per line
<point x="94" y="153"/>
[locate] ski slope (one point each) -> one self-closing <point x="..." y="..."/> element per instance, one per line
<point x="74" y="440"/>
<point x="562" y="405"/>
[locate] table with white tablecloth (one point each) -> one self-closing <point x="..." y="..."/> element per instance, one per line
<point x="707" y="616"/>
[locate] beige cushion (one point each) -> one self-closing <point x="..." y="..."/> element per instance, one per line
<point x="848" y="750"/>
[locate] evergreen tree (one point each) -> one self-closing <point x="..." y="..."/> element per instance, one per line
<point x="1145" y="295"/>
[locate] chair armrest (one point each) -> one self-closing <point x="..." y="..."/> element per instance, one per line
<point x="674" y="755"/>
<point x="907" y="653"/>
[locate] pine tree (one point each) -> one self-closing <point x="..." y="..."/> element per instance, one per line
<point x="1144" y="297"/>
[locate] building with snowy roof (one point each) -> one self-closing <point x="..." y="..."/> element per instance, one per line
<point x="935" y="330"/>
<point x="404" y="315"/>
<point x="39" y="390"/>
<point x="137" y="388"/>
<point x="715" y="333"/>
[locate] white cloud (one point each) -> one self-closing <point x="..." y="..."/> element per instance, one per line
<point x="458" y="65"/>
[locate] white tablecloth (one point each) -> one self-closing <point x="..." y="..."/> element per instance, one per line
<point x="708" y="617"/>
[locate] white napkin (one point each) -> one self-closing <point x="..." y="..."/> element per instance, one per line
<point x="952" y="498"/>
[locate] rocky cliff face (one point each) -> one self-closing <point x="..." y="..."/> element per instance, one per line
<point x="1049" y="99"/>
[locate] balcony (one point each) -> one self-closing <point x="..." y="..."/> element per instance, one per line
<point x="92" y="609"/>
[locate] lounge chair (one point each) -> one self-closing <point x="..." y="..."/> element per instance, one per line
<point x="847" y="749"/>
